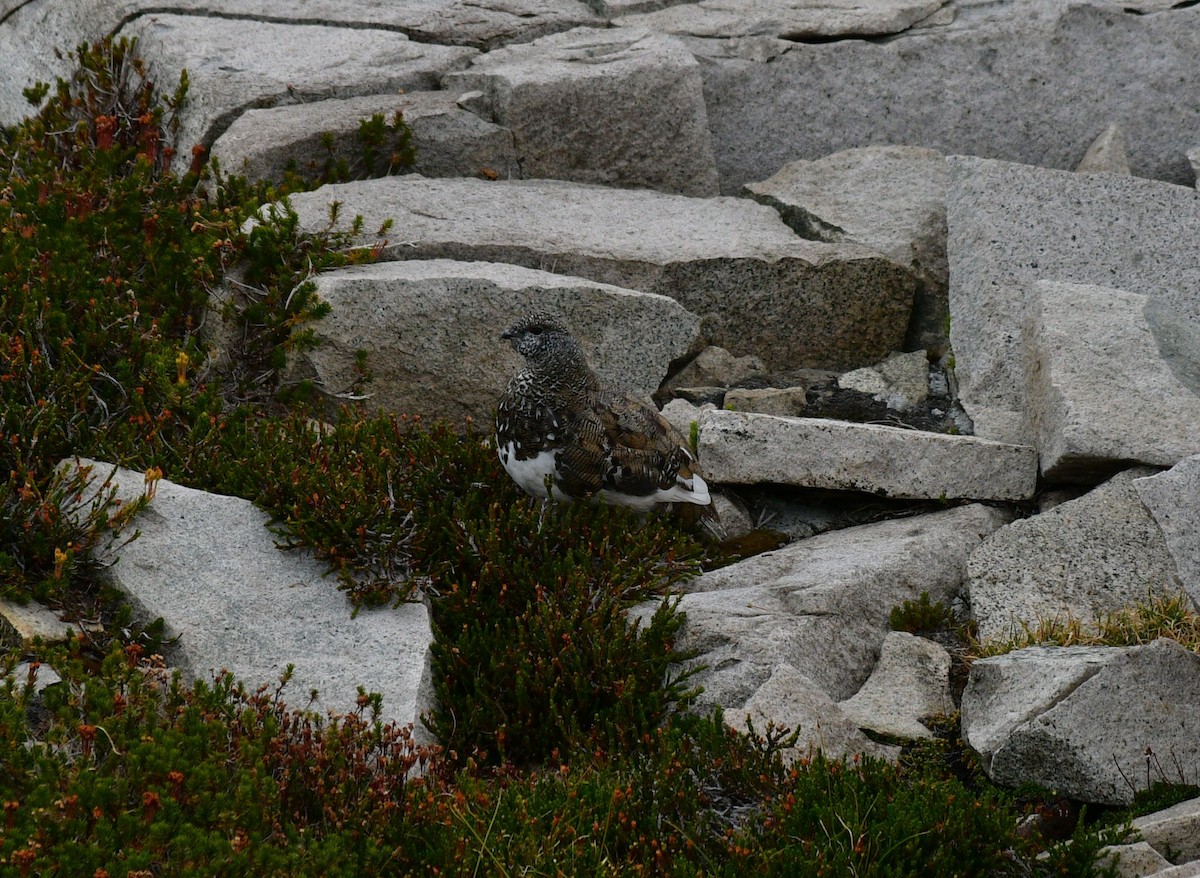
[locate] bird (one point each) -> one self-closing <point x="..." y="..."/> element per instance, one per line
<point x="562" y="436"/>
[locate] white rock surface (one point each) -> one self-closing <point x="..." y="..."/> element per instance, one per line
<point x="791" y="700"/>
<point x="786" y="19"/>
<point x="911" y="681"/>
<point x="1175" y="830"/>
<point x="208" y="565"/>
<point x="237" y="64"/>
<point x="889" y="198"/>
<point x="901" y="381"/>
<point x="1098" y="390"/>
<point x="1108" y="153"/>
<point x="1173" y="498"/>
<point x="621" y="107"/>
<point x="716" y="367"/>
<point x="821" y="604"/>
<point x="431" y="333"/>
<point x="449" y="141"/>
<point x="1134" y="860"/>
<point x="1027" y="81"/>
<point x="1099" y="553"/>
<point x="1011" y="225"/>
<point x="786" y="401"/>
<point x="1080" y="720"/>
<point x="748" y="448"/>
<point x="757" y="287"/>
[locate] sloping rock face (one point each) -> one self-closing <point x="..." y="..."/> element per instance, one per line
<point x="1096" y="554"/>
<point x="619" y="107"/>
<point x="1011" y="226"/>
<point x="757" y="287"/>
<point x="208" y="566"/>
<point x="1085" y="721"/>
<point x="430" y="333"/>
<point x="818" y="609"/>
<point x="1173" y="498"/>
<point x="1033" y="81"/>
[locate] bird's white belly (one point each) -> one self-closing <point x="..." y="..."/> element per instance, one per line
<point x="531" y="474"/>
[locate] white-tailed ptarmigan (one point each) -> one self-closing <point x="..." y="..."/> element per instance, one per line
<point x="559" y="434"/>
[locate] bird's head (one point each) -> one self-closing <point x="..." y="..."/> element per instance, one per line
<point x="540" y="339"/>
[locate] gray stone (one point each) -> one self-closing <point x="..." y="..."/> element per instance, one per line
<point x="1099" y="393"/>
<point x="758" y="288"/>
<point x="910" y="682"/>
<point x="786" y="19"/>
<point x="889" y="198"/>
<point x="40" y="675"/>
<point x="1024" y="81"/>
<point x="1100" y="553"/>
<point x="901" y="381"/>
<point x="787" y="401"/>
<point x="1108" y="153"/>
<point x="209" y="567"/>
<point x="716" y="367"/>
<point x="821" y="604"/>
<point x="450" y="142"/>
<point x="1134" y="860"/>
<point x="1173" y="499"/>
<point x="621" y="107"/>
<point x="681" y="414"/>
<point x="1094" y="723"/>
<point x="1012" y="225"/>
<point x="32" y="33"/>
<point x="1193" y="156"/>
<point x="791" y="700"/>
<point x="1174" y="830"/>
<point x="747" y="448"/>
<point x="234" y="65"/>
<point x="22" y="624"/>
<point x="1183" y="870"/>
<point x="431" y="333"/>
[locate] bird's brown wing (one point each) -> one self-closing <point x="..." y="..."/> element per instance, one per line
<point x="626" y="446"/>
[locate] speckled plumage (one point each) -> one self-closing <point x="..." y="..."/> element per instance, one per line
<point x="560" y="434"/>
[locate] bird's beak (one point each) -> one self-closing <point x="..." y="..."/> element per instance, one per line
<point x="508" y="333"/>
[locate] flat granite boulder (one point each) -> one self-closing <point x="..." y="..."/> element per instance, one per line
<point x="235" y="65"/>
<point x="1098" y="553"/>
<point x="1012" y="225"/>
<point x="262" y="144"/>
<point x="889" y="198"/>
<point x="1100" y="392"/>
<point x="209" y="567"/>
<point x="431" y="333"/>
<point x="1085" y="720"/>
<point x="749" y="448"/>
<point x="757" y="287"/>
<point x="621" y="107"/>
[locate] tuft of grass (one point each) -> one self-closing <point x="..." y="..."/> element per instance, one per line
<point x="1169" y="616"/>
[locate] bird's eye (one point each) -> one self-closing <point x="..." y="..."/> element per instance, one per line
<point x="535" y="330"/>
